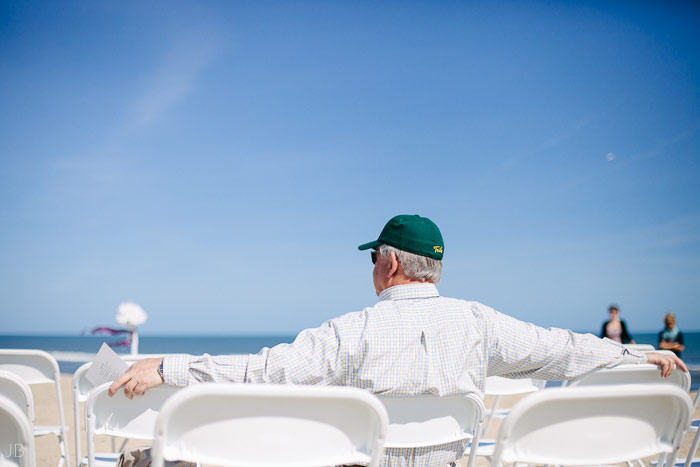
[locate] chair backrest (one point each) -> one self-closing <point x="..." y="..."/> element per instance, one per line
<point x="499" y="386"/>
<point x="633" y="374"/>
<point x="16" y="435"/>
<point x="640" y="347"/>
<point x="593" y="425"/>
<point x="33" y="366"/>
<point x="15" y="389"/>
<point x="119" y="416"/>
<point x="427" y="420"/>
<point x="262" y="425"/>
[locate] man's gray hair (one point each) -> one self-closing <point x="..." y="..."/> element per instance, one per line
<point x="416" y="267"/>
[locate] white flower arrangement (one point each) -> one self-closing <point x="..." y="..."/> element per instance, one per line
<point x="130" y="314"/>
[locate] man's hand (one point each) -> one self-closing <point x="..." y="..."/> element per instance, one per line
<point x="666" y="362"/>
<point x="141" y="376"/>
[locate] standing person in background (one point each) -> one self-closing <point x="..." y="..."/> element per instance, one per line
<point x="671" y="338"/>
<point x="615" y="328"/>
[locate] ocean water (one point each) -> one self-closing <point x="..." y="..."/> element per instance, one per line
<point x="73" y="351"/>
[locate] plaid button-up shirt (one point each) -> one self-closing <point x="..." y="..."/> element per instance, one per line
<point x="413" y="341"/>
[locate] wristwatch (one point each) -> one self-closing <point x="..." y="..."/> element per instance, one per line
<point x="160" y="370"/>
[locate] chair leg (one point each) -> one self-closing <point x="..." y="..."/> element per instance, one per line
<point x="490" y="417"/>
<point x="63" y="461"/>
<point x="121" y="448"/>
<point x="693" y="449"/>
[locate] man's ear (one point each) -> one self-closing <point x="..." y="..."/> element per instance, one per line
<point x="394" y="266"/>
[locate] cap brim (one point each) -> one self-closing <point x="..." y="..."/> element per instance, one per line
<point x="367" y="246"/>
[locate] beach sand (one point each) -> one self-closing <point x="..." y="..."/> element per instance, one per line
<point x="46" y="413"/>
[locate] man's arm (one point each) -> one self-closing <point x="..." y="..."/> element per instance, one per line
<point x="315" y="357"/>
<point x="522" y="350"/>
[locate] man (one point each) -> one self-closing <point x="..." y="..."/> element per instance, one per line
<point x="412" y="341"/>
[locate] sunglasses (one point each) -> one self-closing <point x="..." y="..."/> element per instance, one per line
<point x="374" y="256"/>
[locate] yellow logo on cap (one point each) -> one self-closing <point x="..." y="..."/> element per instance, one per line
<point x="437" y="248"/>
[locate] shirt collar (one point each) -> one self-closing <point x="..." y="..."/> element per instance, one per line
<point x="408" y="291"/>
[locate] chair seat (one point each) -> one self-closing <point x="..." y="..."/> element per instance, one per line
<point x="41" y="430"/>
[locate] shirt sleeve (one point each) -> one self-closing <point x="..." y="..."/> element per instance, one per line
<point x="522" y="350"/>
<point x="316" y="356"/>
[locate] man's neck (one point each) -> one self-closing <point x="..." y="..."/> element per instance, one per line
<point x="403" y="280"/>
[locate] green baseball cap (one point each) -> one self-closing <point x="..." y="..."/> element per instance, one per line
<point x="414" y="234"/>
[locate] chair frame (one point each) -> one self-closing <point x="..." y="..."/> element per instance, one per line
<point x="44" y="370"/>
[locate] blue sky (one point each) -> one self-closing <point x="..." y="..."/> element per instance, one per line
<point x="219" y="162"/>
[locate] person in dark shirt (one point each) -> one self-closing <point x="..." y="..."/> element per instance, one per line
<point x="615" y="328"/>
<point x="671" y="338"/>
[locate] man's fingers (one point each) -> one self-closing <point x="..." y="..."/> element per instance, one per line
<point x="666" y="368"/>
<point x="129" y="388"/>
<point x="140" y="389"/>
<point x="118" y="383"/>
<point x="680" y="364"/>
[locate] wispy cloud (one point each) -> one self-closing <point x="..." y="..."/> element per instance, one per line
<point x="172" y="80"/>
<point x="681" y="232"/>
<point x="661" y="147"/>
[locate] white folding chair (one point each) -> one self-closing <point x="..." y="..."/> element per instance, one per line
<point x="593" y="425"/>
<point x="427" y="420"/>
<point x="263" y="425"/>
<point x="38" y="367"/>
<point x="19" y="392"/>
<point x="634" y="374"/>
<point x="16" y="436"/>
<point x="81" y="388"/>
<point x="118" y="416"/>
